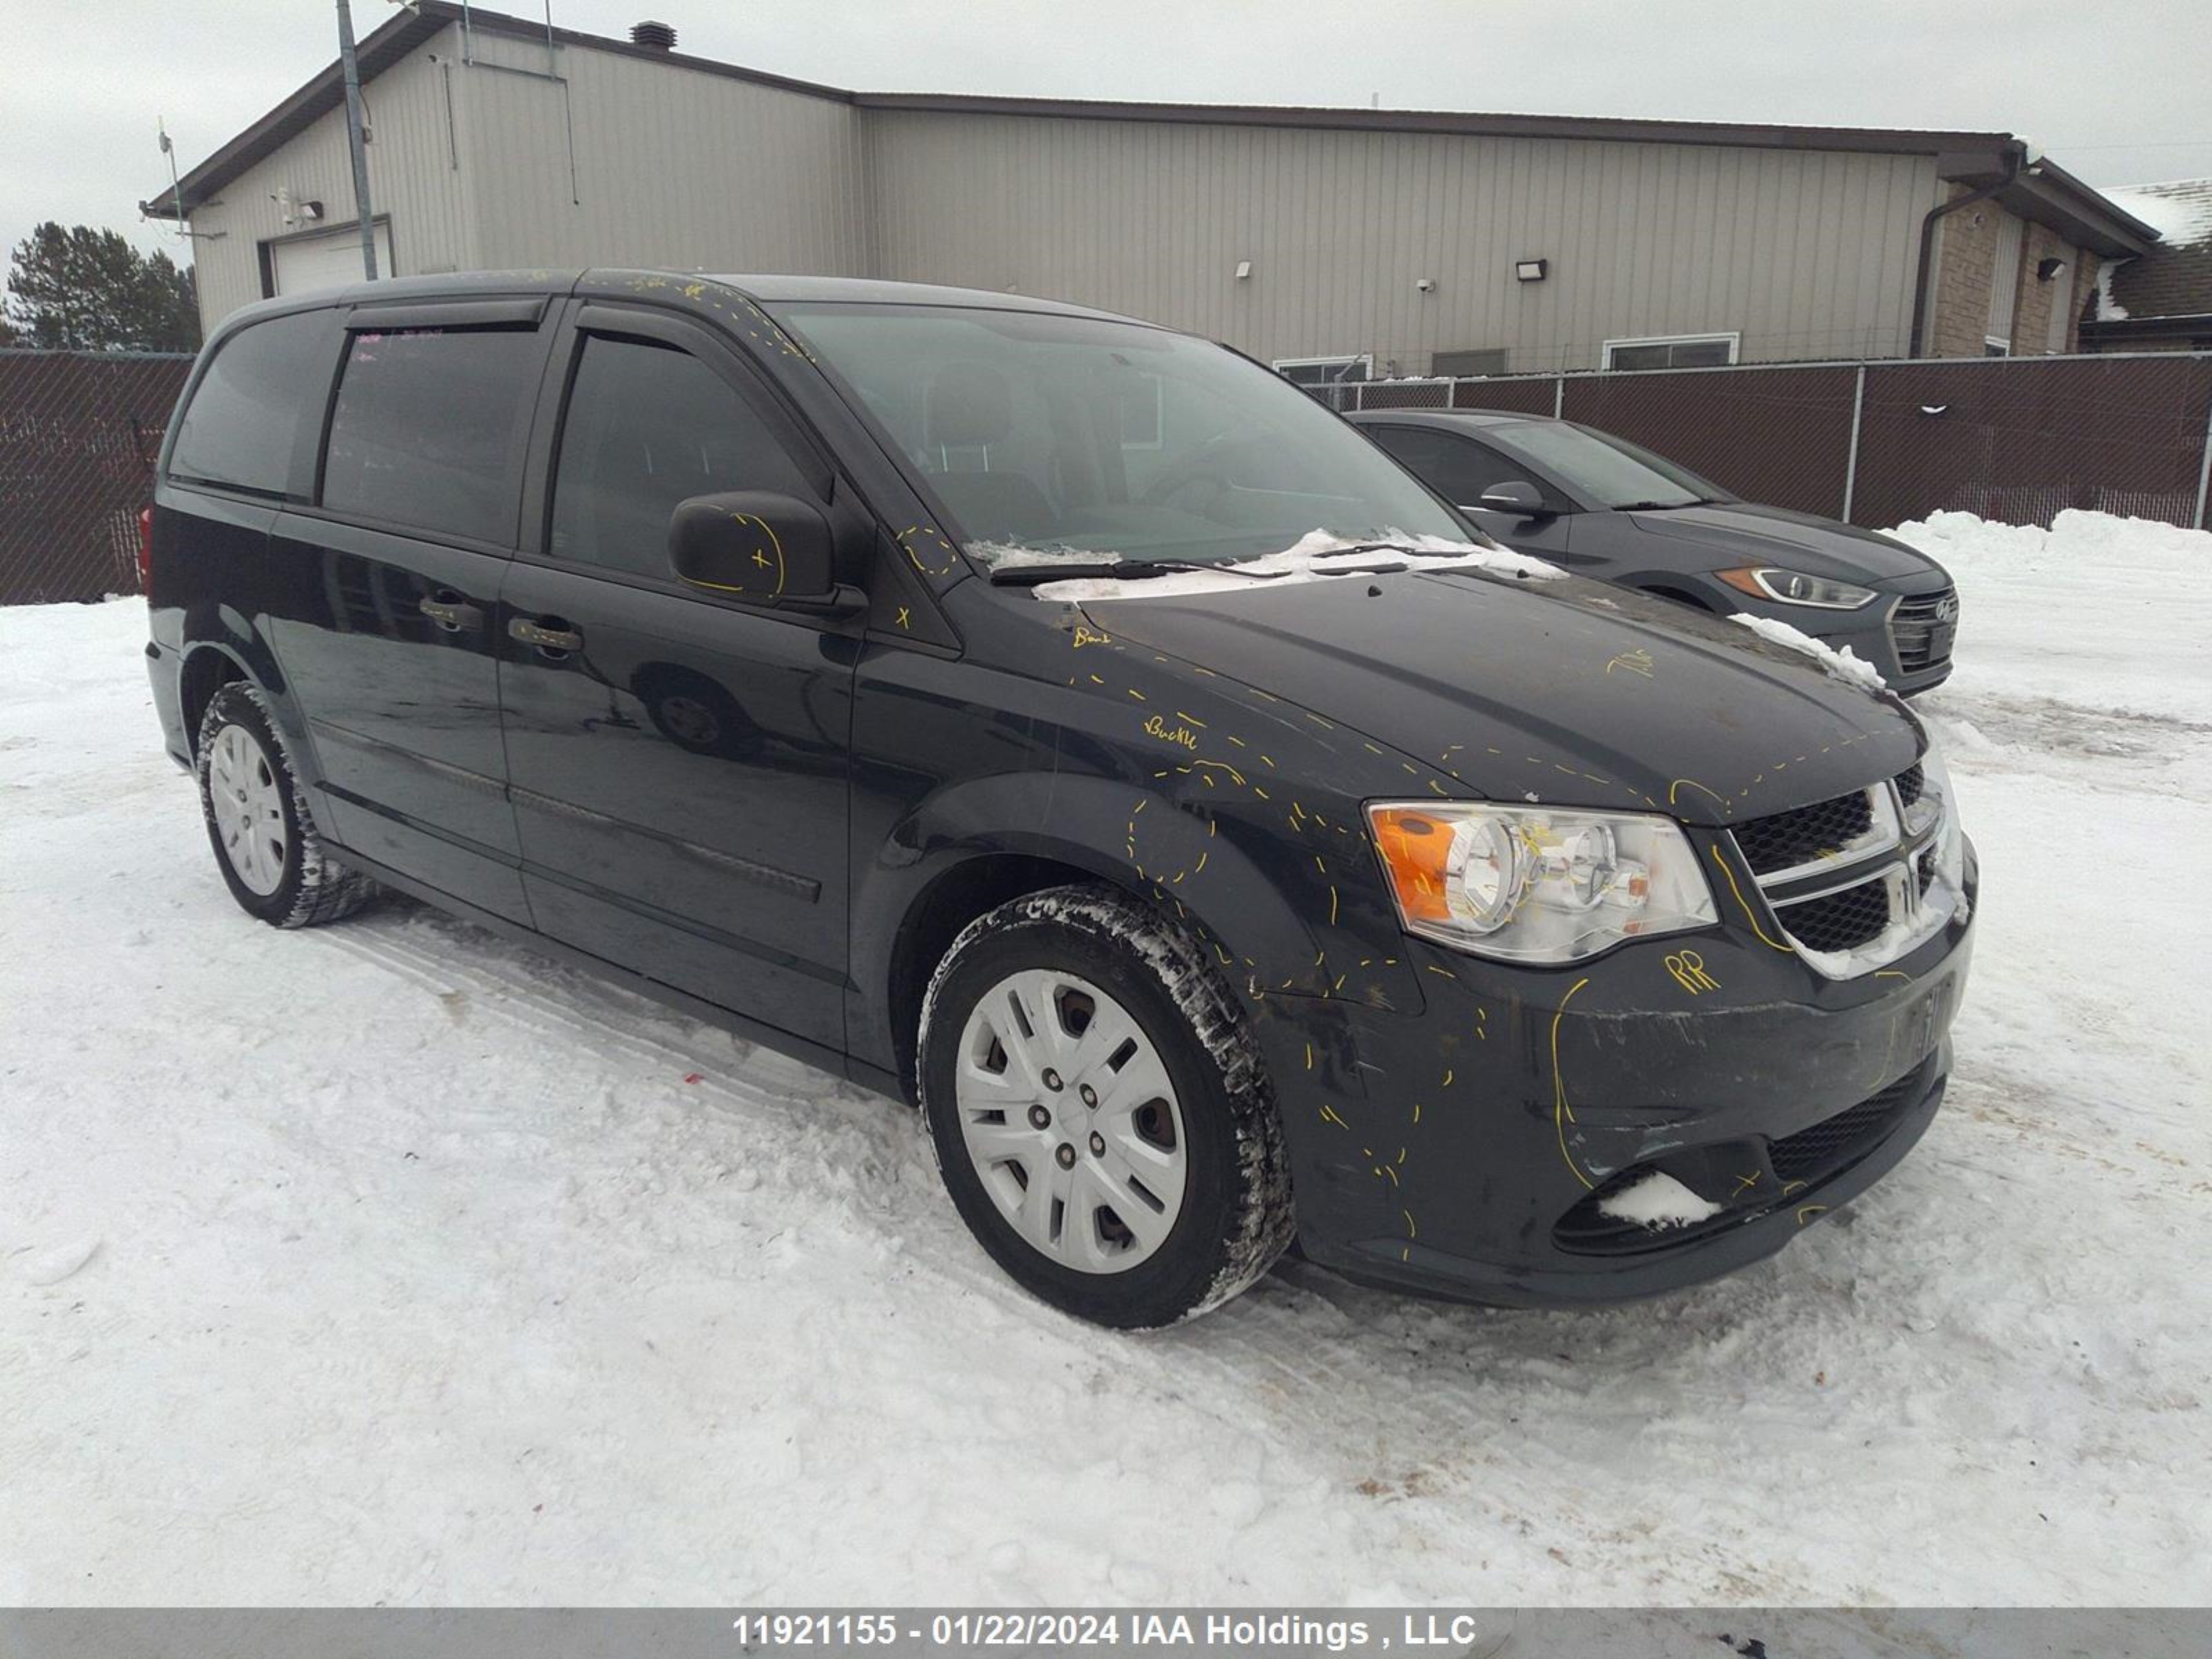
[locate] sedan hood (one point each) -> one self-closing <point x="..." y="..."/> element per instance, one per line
<point x="1741" y="532"/>
<point x="1560" y="690"/>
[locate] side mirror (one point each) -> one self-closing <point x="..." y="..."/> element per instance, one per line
<point x="1522" y="500"/>
<point x="757" y="545"/>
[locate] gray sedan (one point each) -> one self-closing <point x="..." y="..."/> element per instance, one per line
<point x="1610" y="509"/>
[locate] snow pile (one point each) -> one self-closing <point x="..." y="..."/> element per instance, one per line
<point x="2109" y="542"/>
<point x="2037" y="608"/>
<point x="1658" y="1201"/>
<point x="1317" y="556"/>
<point x="993" y="555"/>
<point x="1845" y="665"/>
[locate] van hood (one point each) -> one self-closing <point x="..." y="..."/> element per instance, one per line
<point x="1564" y="690"/>
<point x="1743" y="532"/>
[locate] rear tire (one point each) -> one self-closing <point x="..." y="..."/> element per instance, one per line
<point x="277" y="866"/>
<point x="1133" y="1180"/>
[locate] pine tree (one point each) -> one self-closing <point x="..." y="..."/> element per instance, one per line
<point x="82" y="289"/>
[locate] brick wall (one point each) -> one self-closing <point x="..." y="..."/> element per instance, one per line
<point x="2030" y="317"/>
<point x="1958" y="314"/>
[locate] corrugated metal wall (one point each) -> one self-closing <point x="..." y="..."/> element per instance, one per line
<point x="614" y="159"/>
<point x="413" y="177"/>
<point x="674" y="167"/>
<point x="1805" y="254"/>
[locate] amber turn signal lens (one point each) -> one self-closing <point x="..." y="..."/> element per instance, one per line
<point x="1415" y="847"/>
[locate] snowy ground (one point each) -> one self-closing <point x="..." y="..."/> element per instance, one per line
<point x="390" y="1262"/>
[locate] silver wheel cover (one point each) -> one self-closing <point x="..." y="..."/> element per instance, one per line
<point x="1089" y="1172"/>
<point x="245" y="794"/>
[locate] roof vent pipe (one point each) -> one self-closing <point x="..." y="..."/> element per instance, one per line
<point x="659" y="37"/>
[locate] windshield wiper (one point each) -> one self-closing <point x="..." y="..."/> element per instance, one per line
<point x="1030" y="575"/>
<point x="1661" y="507"/>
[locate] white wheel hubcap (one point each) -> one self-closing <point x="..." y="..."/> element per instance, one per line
<point x="247" y="799"/>
<point x="1071" y="1121"/>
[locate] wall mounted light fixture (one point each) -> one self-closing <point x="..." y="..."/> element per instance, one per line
<point x="1243" y="270"/>
<point x="2047" y="271"/>
<point x="1531" y="270"/>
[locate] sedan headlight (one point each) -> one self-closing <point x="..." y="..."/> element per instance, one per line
<point x="1536" y="884"/>
<point x="1768" y="582"/>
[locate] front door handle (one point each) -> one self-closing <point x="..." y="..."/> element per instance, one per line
<point x="450" y="610"/>
<point x="549" y="635"/>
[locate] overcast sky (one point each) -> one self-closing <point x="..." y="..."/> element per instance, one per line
<point x="2119" y="93"/>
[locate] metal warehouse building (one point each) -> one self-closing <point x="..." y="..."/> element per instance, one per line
<point x="1330" y="242"/>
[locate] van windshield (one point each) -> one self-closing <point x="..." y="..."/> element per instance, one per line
<point x="1095" y="439"/>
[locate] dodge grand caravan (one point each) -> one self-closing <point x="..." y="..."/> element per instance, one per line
<point x="1069" y="726"/>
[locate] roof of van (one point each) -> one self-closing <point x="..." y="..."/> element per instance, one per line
<point x="869" y="290"/>
<point x="609" y="283"/>
<point x="1446" y="418"/>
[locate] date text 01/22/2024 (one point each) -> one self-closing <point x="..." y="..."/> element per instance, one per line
<point x="1194" y="1632"/>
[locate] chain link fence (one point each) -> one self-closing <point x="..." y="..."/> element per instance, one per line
<point x="2015" y="438"/>
<point x="2018" y="440"/>
<point x="79" y="431"/>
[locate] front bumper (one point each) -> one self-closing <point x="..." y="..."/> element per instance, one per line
<point x="1466" y="1151"/>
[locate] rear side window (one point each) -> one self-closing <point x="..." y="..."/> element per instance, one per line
<point x="648" y="427"/>
<point x="426" y="431"/>
<point x="244" y="417"/>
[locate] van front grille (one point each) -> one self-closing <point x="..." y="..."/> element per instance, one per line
<point x="1804" y="834"/>
<point x="1843" y="921"/>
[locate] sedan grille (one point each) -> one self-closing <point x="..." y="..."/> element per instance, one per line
<point x="1921" y="628"/>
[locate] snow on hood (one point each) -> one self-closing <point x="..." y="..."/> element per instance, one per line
<point x="1845" y="665"/>
<point x="1317" y="556"/>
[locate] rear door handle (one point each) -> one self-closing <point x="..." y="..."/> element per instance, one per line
<point x="450" y="610"/>
<point x="549" y="635"/>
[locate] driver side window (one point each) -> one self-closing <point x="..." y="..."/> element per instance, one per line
<point x="1458" y="469"/>
<point x="649" y="426"/>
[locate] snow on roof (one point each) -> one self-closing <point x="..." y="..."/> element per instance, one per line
<point x="2180" y="209"/>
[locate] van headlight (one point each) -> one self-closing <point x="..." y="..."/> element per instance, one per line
<point x="1537" y="884"/>
<point x="1938" y="805"/>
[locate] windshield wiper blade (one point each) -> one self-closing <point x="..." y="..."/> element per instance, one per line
<point x="1658" y="507"/>
<point x="1030" y="575"/>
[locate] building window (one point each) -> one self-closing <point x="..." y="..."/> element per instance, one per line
<point x="1483" y="360"/>
<point x="1673" y="351"/>
<point x="1324" y="371"/>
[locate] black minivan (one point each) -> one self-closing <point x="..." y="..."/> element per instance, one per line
<point x="1069" y="726"/>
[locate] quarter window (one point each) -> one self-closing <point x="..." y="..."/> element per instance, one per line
<point x="426" y="427"/>
<point x="648" y="427"/>
<point x="243" y="420"/>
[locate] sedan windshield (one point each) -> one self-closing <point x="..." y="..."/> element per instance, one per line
<point x="1097" y="441"/>
<point x="1606" y="472"/>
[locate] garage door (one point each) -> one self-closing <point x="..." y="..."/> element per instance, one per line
<point x="330" y="260"/>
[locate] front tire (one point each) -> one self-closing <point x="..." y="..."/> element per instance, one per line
<point x="272" y="858"/>
<point x="1099" y="1110"/>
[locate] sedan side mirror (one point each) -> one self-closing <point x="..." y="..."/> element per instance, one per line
<point x="1521" y="499"/>
<point x="758" y="546"/>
